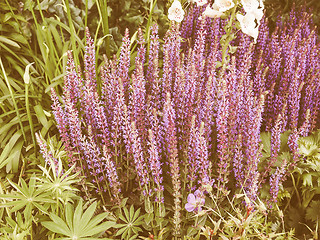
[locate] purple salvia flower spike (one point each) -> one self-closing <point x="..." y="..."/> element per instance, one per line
<point x="205" y="166"/>
<point x="192" y="154"/>
<point x="172" y="153"/>
<point x="275" y="181"/>
<point x="155" y="165"/>
<point x="112" y="175"/>
<point x="139" y="161"/>
<point x="152" y="78"/>
<point x="222" y="129"/>
<point x="124" y="60"/>
<point x="46" y="153"/>
<point x="61" y="120"/>
<point x="90" y="61"/>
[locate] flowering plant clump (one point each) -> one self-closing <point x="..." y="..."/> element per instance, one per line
<point x="162" y="133"/>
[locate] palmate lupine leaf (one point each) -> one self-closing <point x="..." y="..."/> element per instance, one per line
<point x="27" y="196"/>
<point x="79" y="225"/>
<point x="130" y="228"/>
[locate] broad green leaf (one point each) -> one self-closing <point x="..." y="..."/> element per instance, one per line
<point x="69" y="214"/>
<point x="96" y="220"/>
<point x="98" y="229"/>
<point x="77" y="217"/>
<point x="14" y="157"/>
<point x="86" y="217"/>
<point x="126" y="212"/>
<point x="56" y="228"/>
<point x="307" y="179"/>
<point x="6" y="151"/>
<point x="148" y="218"/>
<point x="312" y="212"/>
<point x="132" y="214"/>
<point x="41" y="116"/>
<point x="18" y="205"/>
<point x="9" y="42"/>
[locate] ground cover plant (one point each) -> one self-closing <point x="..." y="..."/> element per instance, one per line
<point x="192" y="137"/>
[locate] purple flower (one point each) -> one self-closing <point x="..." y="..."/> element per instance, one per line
<point x="195" y="202"/>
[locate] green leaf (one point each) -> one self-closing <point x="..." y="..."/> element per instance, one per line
<point x="56" y="228"/>
<point x="96" y="220"/>
<point x="9" y="42"/>
<point x="307" y="179"/>
<point x="100" y="228"/>
<point x="148" y="218"/>
<point x="87" y="215"/>
<point x="77" y="217"/>
<point x="312" y="212"/>
<point x="69" y="215"/>
<point x="265" y="140"/>
<point x="41" y="115"/>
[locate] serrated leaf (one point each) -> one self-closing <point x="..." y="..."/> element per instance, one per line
<point x="307" y="179"/>
<point x="312" y="212"/>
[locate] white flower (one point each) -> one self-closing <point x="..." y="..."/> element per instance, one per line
<point x="250" y="5"/>
<point x="258" y="13"/>
<point x="200" y="3"/>
<point x="261" y="4"/>
<point x="248" y="25"/>
<point x="224" y="5"/>
<point x="212" y="12"/>
<point x="176" y="12"/>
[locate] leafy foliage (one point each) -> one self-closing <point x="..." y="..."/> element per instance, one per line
<point x="78" y="224"/>
<point x="131" y="219"/>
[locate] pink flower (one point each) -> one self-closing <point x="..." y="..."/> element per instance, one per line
<point x="250" y="5"/>
<point x="218" y="8"/>
<point x="224" y="5"/>
<point x="176" y="12"/>
<point x="200" y="3"/>
<point x="248" y="25"/>
<point x="212" y="12"/>
<point x="195" y="202"/>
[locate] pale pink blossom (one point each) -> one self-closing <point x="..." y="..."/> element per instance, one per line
<point x="258" y="14"/>
<point x="250" y="5"/>
<point x="248" y="25"/>
<point x="224" y="5"/>
<point x="176" y="12"/>
<point x="212" y="12"/>
<point x="195" y="202"/>
<point x="200" y="3"/>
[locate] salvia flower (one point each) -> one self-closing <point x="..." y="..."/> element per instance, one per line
<point x="275" y="181"/>
<point x="176" y="12"/>
<point x="195" y="202"/>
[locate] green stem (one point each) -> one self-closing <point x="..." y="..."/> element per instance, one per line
<point x="29" y="115"/>
<point x="72" y="33"/>
<point x="103" y="11"/>
<point x="147" y="33"/>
